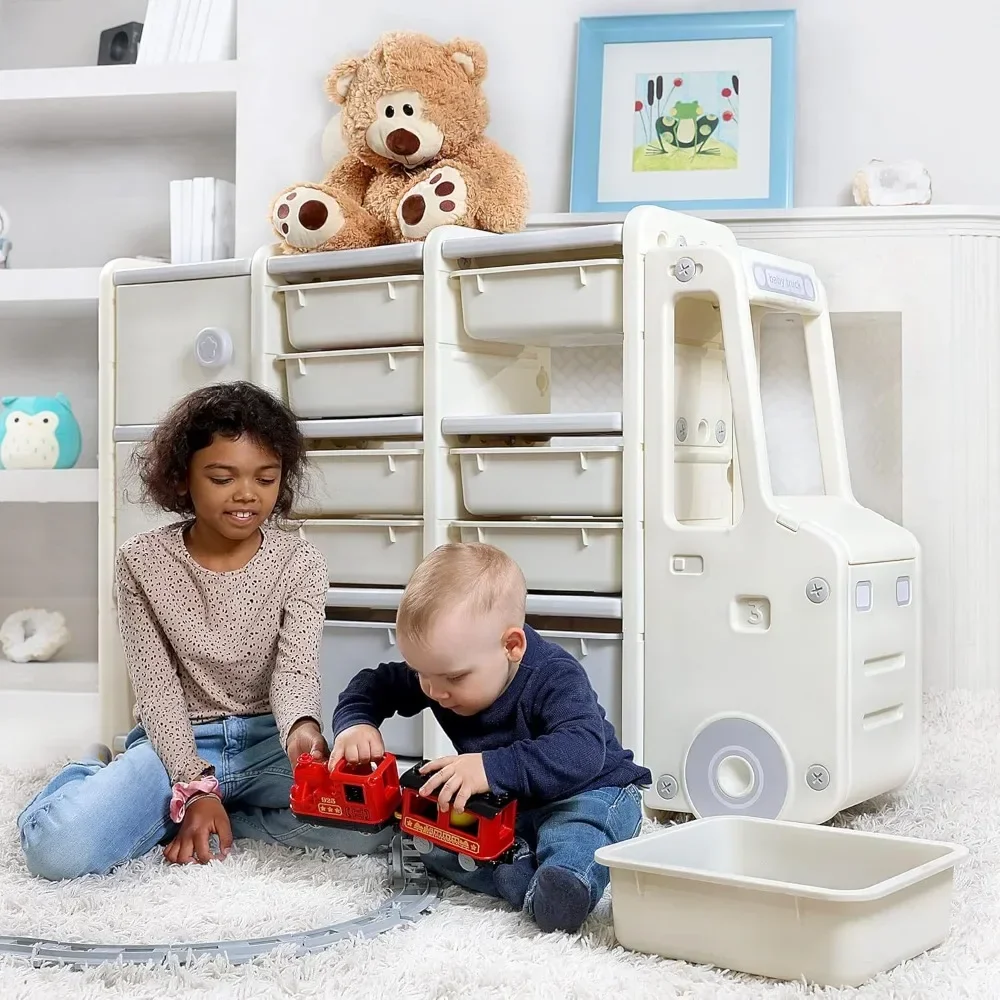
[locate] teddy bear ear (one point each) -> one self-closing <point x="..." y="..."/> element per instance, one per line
<point x="338" y="83"/>
<point x="470" y="55"/>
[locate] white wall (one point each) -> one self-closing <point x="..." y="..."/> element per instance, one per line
<point x="876" y="79"/>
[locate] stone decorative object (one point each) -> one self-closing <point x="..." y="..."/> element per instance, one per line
<point x="904" y="183"/>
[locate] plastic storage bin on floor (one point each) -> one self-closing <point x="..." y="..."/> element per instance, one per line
<point x="350" y="646"/>
<point x="561" y="303"/>
<point x="560" y="556"/>
<point x="376" y="481"/>
<point x="374" y="382"/>
<point x="364" y="312"/>
<point x="561" y="480"/>
<point x="782" y="900"/>
<point x="367" y="553"/>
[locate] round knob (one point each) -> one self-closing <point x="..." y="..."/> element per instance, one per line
<point x="213" y="347"/>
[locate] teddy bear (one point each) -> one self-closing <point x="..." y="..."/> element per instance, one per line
<point x="413" y="120"/>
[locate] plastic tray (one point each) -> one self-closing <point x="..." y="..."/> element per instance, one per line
<point x="559" y="480"/>
<point x="374" y="382"/>
<point x="363" y="312"/>
<point x="783" y="900"/>
<point x="372" y="553"/>
<point x="600" y="655"/>
<point x="564" y="303"/>
<point x="372" y="481"/>
<point x="561" y="556"/>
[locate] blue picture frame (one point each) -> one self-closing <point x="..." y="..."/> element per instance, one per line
<point x="595" y="33"/>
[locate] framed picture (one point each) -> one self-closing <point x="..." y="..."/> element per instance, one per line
<point x="686" y="111"/>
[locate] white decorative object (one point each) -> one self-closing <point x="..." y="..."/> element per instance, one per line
<point x="33" y="634"/>
<point x="5" y="243"/>
<point x="903" y="183"/>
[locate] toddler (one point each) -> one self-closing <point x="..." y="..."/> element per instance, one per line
<point x="525" y="721"/>
<point x="221" y="617"/>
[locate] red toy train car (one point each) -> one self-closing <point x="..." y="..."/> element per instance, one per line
<point x="371" y="797"/>
<point x="353" y="796"/>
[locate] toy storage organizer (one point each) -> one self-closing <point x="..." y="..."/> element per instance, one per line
<point x="421" y="377"/>
<point x="425" y="425"/>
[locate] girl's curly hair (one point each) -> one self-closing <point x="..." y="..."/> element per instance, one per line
<point x="232" y="409"/>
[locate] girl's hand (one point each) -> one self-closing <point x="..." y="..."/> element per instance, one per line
<point x="202" y="818"/>
<point x="459" y="777"/>
<point x="305" y="737"/>
<point x="357" y="745"/>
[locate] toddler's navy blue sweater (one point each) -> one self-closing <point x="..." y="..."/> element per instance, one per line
<point x="545" y="738"/>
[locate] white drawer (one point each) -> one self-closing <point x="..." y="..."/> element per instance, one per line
<point x="375" y="382"/>
<point x="564" y="480"/>
<point x="175" y="336"/>
<point x="560" y="304"/>
<point x="600" y="654"/>
<point x="567" y="556"/>
<point x="364" y="312"/>
<point x="132" y="517"/>
<point x="350" y="646"/>
<point x="363" y="481"/>
<point x="368" y="553"/>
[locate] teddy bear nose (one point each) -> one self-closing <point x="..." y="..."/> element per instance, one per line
<point x="402" y="142"/>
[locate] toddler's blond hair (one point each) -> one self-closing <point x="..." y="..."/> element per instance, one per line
<point x="482" y="577"/>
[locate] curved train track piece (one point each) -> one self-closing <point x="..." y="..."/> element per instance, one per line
<point x="415" y="893"/>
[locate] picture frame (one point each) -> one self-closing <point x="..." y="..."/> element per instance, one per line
<point x="690" y="112"/>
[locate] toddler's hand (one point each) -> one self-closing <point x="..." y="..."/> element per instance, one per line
<point x="202" y="818"/>
<point x="305" y="737"/>
<point x="357" y="745"/>
<point x="458" y="777"/>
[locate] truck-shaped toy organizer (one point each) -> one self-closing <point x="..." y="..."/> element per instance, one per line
<point x="760" y="654"/>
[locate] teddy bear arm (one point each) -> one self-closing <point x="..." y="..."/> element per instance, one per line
<point x="351" y="177"/>
<point x="498" y="188"/>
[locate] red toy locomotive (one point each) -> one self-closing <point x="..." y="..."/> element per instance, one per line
<point x="371" y="797"/>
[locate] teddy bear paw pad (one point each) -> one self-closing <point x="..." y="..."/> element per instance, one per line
<point x="307" y="218"/>
<point x="439" y="200"/>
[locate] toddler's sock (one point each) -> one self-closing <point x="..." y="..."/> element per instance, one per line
<point x="512" y="880"/>
<point x="561" y="900"/>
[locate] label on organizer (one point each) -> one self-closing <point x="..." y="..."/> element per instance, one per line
<point x="784" y="282"/>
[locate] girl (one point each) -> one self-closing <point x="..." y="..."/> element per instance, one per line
<point x="221" y="617"/>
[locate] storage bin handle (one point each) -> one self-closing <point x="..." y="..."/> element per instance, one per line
<point x="481" y="535"/>
<point x="392" y="535"/>
<point x="583" y="461"/>
<point x="301" y="295"/>
<point x="302" y="366"/>
<point x="392" y="361"/>
<point x="392" y="636"/>
<point x="585" y="537"/>
<point x="391" y="289"/>
<point x="480" y="286"/>
<point x="583" y="276"/>
<point x="583" y="648"/>
<point x="391" y="459"/>
<point x="480" y="463"/>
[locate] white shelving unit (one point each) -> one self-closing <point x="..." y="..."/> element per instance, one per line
<point x="127" y="131"/>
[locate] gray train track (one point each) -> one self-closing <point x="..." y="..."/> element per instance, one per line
<point x="415" y="893"/>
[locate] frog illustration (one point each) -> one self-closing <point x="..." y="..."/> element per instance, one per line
<point x="686" y="126"/>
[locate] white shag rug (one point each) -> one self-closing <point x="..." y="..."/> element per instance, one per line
<point x="472" y="948"/>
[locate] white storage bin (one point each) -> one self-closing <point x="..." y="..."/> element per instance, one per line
<point x="557" y="555"/>
<point x="363" y="481"/>
<point x="368" y="553"/>
<point x="172" y="337"/>
<point x="561" y="480"/>
<point x="600" y="655"/>
<point x="350" y="646"/>
<point x="375" y="382"/>
<point x="565" y="303"/>
<point x="364" y="312"/>
<point x="782" y="900"/>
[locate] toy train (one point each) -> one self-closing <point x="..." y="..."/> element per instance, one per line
<point x="371" y="797"/>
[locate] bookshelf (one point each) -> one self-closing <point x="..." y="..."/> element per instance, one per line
<point x="89" y="153"/>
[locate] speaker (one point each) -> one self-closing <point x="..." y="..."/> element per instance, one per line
<point x="119" y="45"/>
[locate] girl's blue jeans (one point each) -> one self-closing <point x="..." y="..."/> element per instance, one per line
<point x="91" y="818"/>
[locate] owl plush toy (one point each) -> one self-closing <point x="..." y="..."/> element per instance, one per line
<point x="38" y="432"/>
